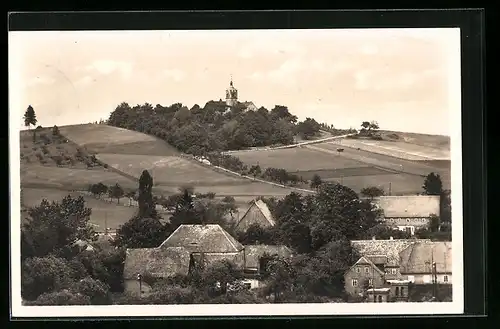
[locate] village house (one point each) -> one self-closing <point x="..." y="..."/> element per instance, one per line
<point x="153" y="263"/>
<point x="364" y="274"/>
<point x="408" y="213"/>
<point x="192" y="247"/>
<point x="425" y="262"/>
<point x="257" y="214"/>
<point x="378" y="266"/>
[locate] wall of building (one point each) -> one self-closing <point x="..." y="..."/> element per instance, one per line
<point x="426" y="278"/>
<point x="362" y="274"/>
<point x="422" y="292"/>
<point x="132" y="287"/>
<point x="379" y="297"/>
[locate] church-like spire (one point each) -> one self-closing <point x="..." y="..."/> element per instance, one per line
<point x="231" y="81"/>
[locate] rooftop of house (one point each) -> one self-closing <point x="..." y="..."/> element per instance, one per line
<point x="158" y="262"/>
<point x="418" y="258"/>
<point x="366" y="261"/>
<point x="389" y="248"/>
<point x="411" y="206"/>
<point x="209" y="238"/>
<point x="263" y="208"/>
<point x="253" y="253"/>
<point x="204" y="260"/>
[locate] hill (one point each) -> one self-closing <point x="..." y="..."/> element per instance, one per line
<point x="362" y="163"/>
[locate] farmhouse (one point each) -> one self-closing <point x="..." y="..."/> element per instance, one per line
<point x="362" y="275"/>
<point x="257" y="214"/>
<point x="378" y="266"/>
<point x="153" y="262"/>
<point x="192" y="247"/>
<point x="425" y="262"/>
<point x="408" y="213"/>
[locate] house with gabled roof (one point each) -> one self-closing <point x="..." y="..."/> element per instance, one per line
<point x="193" y="247"/>
<point x="423" y="262"/>
<point x="384" y="256"/>
<point x="257" y="214"/>
<point x="153" y="262"/>
<point x="408" y="213"/>
<point x="364" y="274"/>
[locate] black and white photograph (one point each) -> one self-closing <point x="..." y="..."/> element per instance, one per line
<point x="298" y="171"/>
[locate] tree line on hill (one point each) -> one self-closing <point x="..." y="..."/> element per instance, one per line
<point x="199" y="130"/>
<point x="317" y="227"/>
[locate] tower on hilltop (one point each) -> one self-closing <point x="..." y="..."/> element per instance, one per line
<point x="231" y="95"/>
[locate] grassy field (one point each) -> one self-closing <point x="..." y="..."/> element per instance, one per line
<point x="297" y="159"/>
<point x="433" y="141"/>
<point x="397" y="149"/>
<point x="108" y="139"/>
<point x="103" y="213"/>
<point x="71" y="178"/>
<point x="47" y="148"/>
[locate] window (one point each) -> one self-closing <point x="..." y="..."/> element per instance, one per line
<point x="380" y="298"/>
<point x="354" y="282"/>
<point x="370" y="282"/>
<point x="445" y="278"/>
<point x="401" y="291"/>
<point x="397" y="291"/>
<point x="394" y="271"/>
<point x="357" y="269"/>
<point x="367" y="270"/>
<point x="248" y="285"/>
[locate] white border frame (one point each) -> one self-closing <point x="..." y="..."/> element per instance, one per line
<point x="455" y="307"/>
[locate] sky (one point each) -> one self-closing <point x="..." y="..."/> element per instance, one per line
<point x="405" y="79"/>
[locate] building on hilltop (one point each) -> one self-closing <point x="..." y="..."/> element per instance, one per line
<point x="408" y="213"/>
<point x="257" y="214"/>
<point x="427" y="262"/>
<point x="232" y="100"/>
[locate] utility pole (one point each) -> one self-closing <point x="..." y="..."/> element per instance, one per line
<point x="434" y="278"/>
<point x="105" y="223"/>
<point x="390" y="188"/>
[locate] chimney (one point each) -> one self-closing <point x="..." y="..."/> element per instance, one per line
<point x="391" y="238"/>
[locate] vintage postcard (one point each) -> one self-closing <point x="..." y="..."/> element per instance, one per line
<point x="300" y="171"/>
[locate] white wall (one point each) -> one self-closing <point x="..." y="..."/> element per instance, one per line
<point x="427" y="278"/>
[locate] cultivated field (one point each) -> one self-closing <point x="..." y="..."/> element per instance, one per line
<point x="108" y="139"/>
<point x="103" y="212"/>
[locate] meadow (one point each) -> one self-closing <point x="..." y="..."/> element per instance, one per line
<point x="297" y="159"/>
<point x="71" y="178"/>
<point x="403" y="150"/>
<point x="103" y="214"/>
<point x="106" y="139"/>
<point x="432" y="141"/>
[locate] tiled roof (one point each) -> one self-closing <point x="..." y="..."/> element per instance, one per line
<point x="264" y="210"/>
<point x="378" y="259"/>
<point x="159" y="262"/>
<point x="203" y="238"/>
<point x="366" y="261"/>
<point x="408" y="206"/>
<point x="418" y="257"/>
<point x="207" y="259"/>
<point x="253" y="253"/>
<point x="389" y="248"/>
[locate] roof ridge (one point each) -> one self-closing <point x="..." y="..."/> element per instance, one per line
<point x="260" y="204"/>
<point x="246" y="212"/>
<point x="171" y="234"/>
<point x="227" y="238"/>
